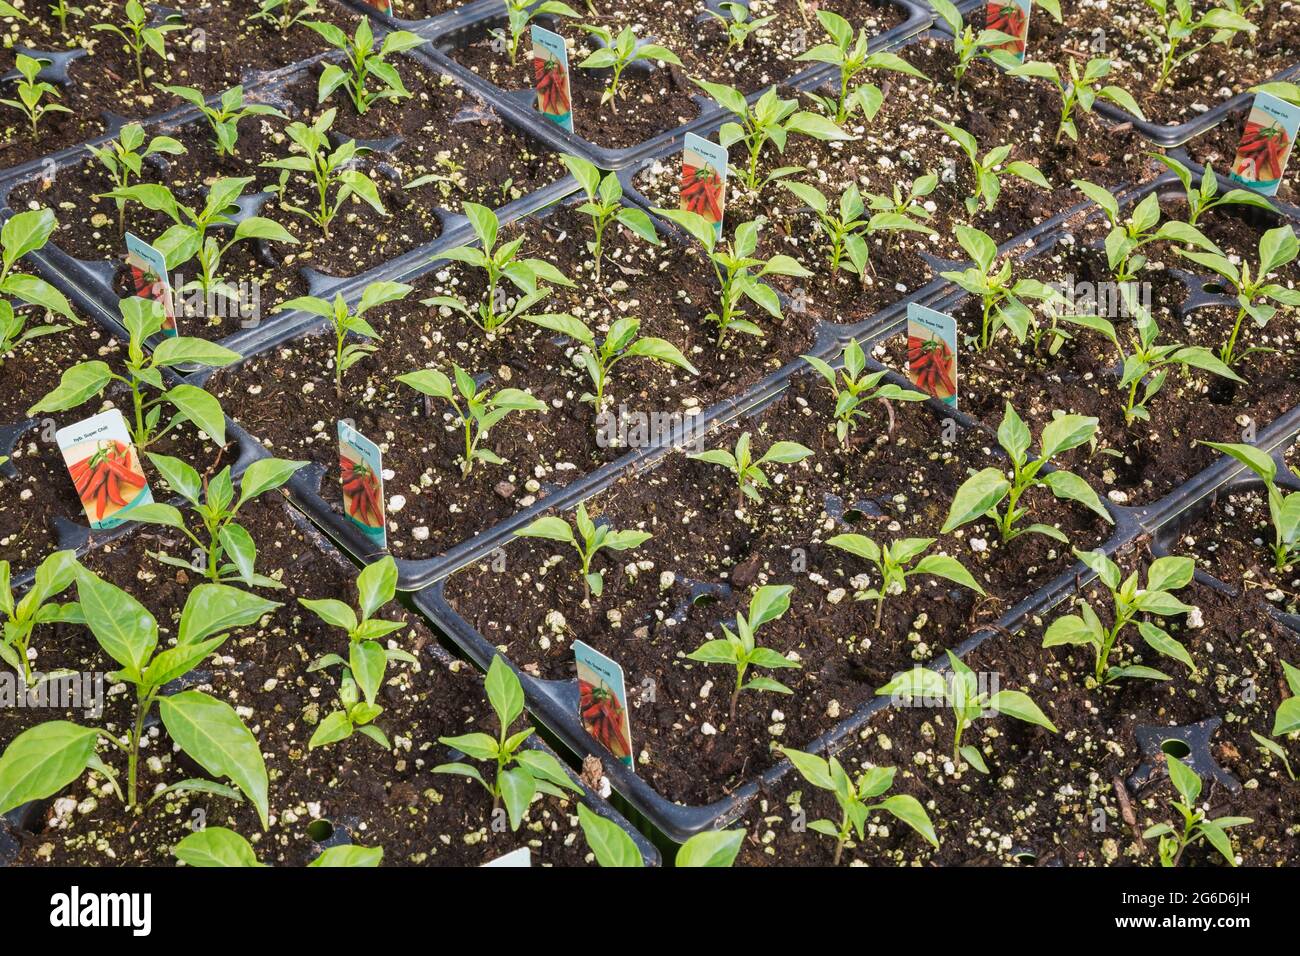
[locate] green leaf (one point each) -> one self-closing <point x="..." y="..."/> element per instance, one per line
<point x="265" y="474"/>
<point x="769" y="603"/>
<point x="1159" y="640"/>
<point x="201" y="408"/>
<point x="376" y="585"/>
<point x="76" y="386"/>
<point x="1014" y="703"/>
<point x="977" y="495"/>
<point x="368" y="662"/>
<point x="1185" y="780"/>
<point x="183" y="350"/>
<point x="909" y="810"/>
<point x="122" y="625"/>
<point x="504" y="692"/>
<point x="211" y="733"/>
<point x="550" y="528"/>
<point x="947" y="567"/>
<point x="332" y="611"/>
<point x="215" y="847"/>
<point x="714" y="849"/>
<point x="811" y="767"/>
<point x="1068" y="486"/>
<point x="349" y="856"/>
<point x="42" y="760"/>
<point x="608" y="841"/>
<point x="517" y="791"/>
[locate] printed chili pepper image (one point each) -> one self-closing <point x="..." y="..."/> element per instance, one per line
<point x="602" y="701"/>
<point x="702" y="191"/>
<point x="149" y="278"/>
<point x="107" y="480"/>
<point x="551" y="77"/>
<point x="362" y="475"/>
<point x="1011" y="19"/>
<point x="932" y="352"/>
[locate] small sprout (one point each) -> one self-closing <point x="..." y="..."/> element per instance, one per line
<point x="1201" y="199"/>
<point x="31" y="91"/>
<point x="1002" y="300"/>
<point x="349" y="322"/>
<point x="967" y="45"/>
<point x="622" y="342"/>
<point x="853" y="389"/>
<point x="590" y="540"/>
<point x="123" y="159"/>
<point x="138" y="36"/>
<point x="616" y="53"/>
<point x="734" y="19"/>
<point x="1178" y="23"/>
<point x="1197" y="826"/>
<point x="747" y="470"/>
<point x="891" y="563"/>
<point x="605" y="206"/>
<point x="364" y="61"/>
<point x="983" y="492"/>
<point x="520" y="13"/>
<point x="25" y="233"/>
<point x="850" y="55"/>
<point x="20" y="618"/>
<point x="988" y="170"/>
<point x="1127" y="236"/>
<point x="740" y="651"/>
<point x="854" y="798"/>
<point x="481" y="410"/>
<point x="521" y="772"/>
<point x="280" y="13"/>
<point x="223" y="118"/>
<point x="968" y="703"/>
<point x="847" y="225"/>
<point x="1283" y="509"/>
<point x="1164" y="576"/>
<point x="1079" y="91"/>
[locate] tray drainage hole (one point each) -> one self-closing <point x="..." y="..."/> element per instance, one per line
<point x="320" y="830"/>
<point x="1026" y="858"/>
<point x="704" y="600"/>
<point x="1176" y="748"/>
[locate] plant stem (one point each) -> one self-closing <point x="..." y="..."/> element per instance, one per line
<point x="844" y="836"/>
<point x="1228" y="350"/>
<point x="143" y="703"/>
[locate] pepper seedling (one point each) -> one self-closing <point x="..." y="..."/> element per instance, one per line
<point x="968" y="703"/>
<point x="1128" y="235"/>
<point x="520" y="13"/>
<point x="858" y="388"/>
<point x="851" y="57"/>
<point x="847" y="226"/>
<point x="1286" y="721"/>
<point x="740" y="650"/>
<point x="479" y="410"/>
<point x="605" y="206"/>
<point x="143" y="318"/>
<point x="987" y="169"/>
<point x="216" y="506"/>
<point x="1255" y="296"/>
<point x="748" y="470"/>
<point x="499" y="262"/>
<point x="590" y="540"/>
<point x="367" y="659"/>
<point x="897" y="213"/>
<point x="521" y="772"/>
<point x="770" y="120"/>
<point x="1201" y="199"/>
<point x="223" y="118"/>
<point x="984" y="492"/>
<point x="1283" y="509"/>
<point x="1002" y="300"/>
<point x="612" y="847"/>
<point x="138" y="35"/>
<point x="31" y="91"/>
<point x="738" y="270"/>
<point x="348" y="322"/>
<point x="1079" y="91"/>
<point x="622" y="342"/>
<point x="736" y="22"/>
<point x="967" y="44"/>
<point x="1177" y="23"/>
<point x="22" y="234"/>
<point x="329" y="169"/>
<point x="190" y="235"/>
<point x="20" y="619"/>
<point x="617" y="53"/>
<point x="123" y="159"/>
<point x="364" y="61"/>
<point x="44" y="759"/>
<point x="854" y="798"/>
<point x="1197" y="826"/>
<point x="891" y="563"/>
<point x="1164" y="576"/>
<point x="281" y="15"/>
<point x="223" y="847"/>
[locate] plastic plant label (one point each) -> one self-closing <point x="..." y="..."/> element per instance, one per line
<point x="1010" y="17"/>
<point x="383" y="6"/>
<point x="602" y="701"/>
<point x="520" y="857"/>
<point x="1266" y="144"/>
<point x="104" y="467"/>
<point x="932" y="352"/>
<point x="362" y="473"/>
<point x="703" y="188"/>
<point x="149" y="278"/>
<point x="551" y="77"/>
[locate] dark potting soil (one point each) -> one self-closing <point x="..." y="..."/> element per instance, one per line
<point x="1139" y="462"/>
<point x="887" y="484"/>
<point x="1218" y="146"/>
<point x="1217" y="73"/>
<point x="900" y="145"/>
<point x="447" y="133"/>
<point x="218" y="47"/>
<point x="287" y="398"/>
<point x="1064" y="799"/>
<point x="767" y="57"/>
<point x="392" y="800"/>
<point x="423" y="9"/>
<point x="1233" y="542"/>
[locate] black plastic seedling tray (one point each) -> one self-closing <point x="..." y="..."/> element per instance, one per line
<point x="449" y="33"/>
<point x="27" y="817"/>
<point x="93" y="281"/>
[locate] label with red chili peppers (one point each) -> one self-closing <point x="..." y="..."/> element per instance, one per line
<point x="383" y="6"/>
<point x="105" y="468"/>
<point x="602" y="701"/>
<point x="149" y="278"/>
<point x="1266" y="144"/>
<point x="932" y="352"/>
<point x="551" y="77"/>
<point x="520" y="857"/>
<point x="361" y="469"/>
<point x="1012" y="18"/>
<point x="703" y="188"/>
